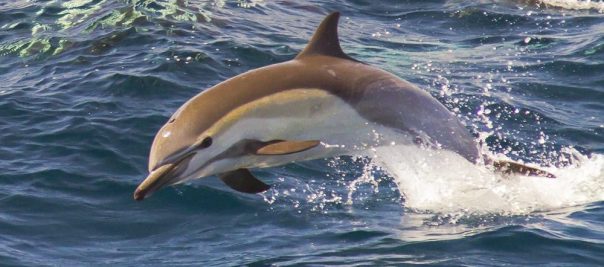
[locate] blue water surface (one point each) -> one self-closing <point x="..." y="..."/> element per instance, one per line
<point x="86" y="84"/>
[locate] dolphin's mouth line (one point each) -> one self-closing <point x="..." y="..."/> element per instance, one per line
<point x="178" y="156"/>
<point x="175" y="158"/>
<point x="157" y="177"/>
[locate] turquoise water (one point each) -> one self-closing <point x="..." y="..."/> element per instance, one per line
<point x="86" y="84"/>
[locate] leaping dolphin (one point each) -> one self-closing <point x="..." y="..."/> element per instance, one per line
<point x="321" y="104"/>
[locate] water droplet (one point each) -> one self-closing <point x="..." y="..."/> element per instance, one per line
<point x="527" y="40"/>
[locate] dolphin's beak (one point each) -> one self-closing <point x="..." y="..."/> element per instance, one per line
<point x="164" y="175"/>
<point x="153" y="182"/>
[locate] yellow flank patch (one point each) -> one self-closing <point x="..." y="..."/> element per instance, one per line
<point x="290" y="103"/>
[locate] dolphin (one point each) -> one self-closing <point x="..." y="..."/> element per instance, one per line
<point x="320" y="104"/>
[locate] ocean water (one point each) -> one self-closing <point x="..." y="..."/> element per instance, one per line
<point x="85" y="85"/>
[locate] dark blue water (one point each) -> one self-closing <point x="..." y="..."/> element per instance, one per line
<point x="86" y="84"/>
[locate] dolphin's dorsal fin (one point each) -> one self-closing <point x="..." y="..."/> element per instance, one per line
<point x="325" y="40"/>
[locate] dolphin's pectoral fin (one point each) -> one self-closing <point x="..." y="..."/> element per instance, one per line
<point x="509" y="167"/>
<point x="286" y="147"/>
<point x="243" y="181"/>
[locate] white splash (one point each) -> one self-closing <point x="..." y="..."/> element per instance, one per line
<point x="576" y="4"/>
<point x="444" y="182"/>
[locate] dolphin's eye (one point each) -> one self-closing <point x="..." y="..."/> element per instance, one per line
<point x="207" y="142"/>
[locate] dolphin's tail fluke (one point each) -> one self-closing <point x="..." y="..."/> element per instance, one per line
<point x="510" y="167"/>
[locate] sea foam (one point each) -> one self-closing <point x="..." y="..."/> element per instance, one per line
<point x="443" y="182"/>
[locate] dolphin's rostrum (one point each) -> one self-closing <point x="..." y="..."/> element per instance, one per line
<point x="320" y="104"/>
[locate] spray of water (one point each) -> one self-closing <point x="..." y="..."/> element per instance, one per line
<point x="441" y="181"/>
<point x="575" y="4"/>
